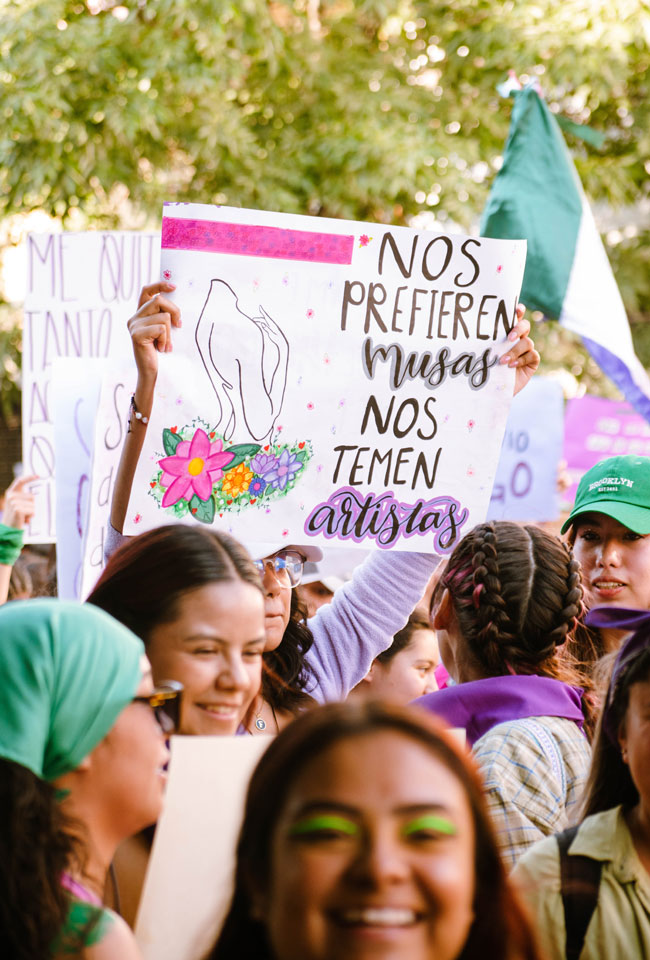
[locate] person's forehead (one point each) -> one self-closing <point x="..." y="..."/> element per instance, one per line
<point x="596" y="519"/>
<point x="354" y="771"/>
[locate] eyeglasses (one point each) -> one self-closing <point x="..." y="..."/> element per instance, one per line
<point x="287" y="566"/>
<point x="165" y="702"/>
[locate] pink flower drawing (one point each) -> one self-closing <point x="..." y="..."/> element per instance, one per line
<point x="309" y="314"/>
<point x="193" y="469"/>
<point x="364" y="240"/>
<point x="167" y="274"/>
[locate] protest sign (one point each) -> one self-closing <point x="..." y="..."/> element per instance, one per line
<point x="80" y="288"/>
<point x="75" y="395"/>
<point x="595" y="429"/>
<point x="117" y="385"/>
<point x="525" y="487"/>
<point x="333" y="381"/>
<point x="189" y="881"/>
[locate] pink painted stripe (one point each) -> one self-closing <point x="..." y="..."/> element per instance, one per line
<point x="249" y="240"/>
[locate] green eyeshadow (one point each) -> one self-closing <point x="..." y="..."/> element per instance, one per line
<point x="324" y="822"/>
<point x="431" y="822"/>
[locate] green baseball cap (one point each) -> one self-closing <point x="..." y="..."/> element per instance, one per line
<point x="619" y="488"/>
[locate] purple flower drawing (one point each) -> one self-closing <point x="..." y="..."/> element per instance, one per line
<point x="262" y="463"/>
<point x="288" y="465"/>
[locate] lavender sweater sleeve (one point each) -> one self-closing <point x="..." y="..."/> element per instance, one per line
<point x="114" y="540"/>
<point x="362" y="619"/>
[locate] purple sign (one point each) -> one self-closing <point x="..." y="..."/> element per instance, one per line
<point x="595" y="429"/>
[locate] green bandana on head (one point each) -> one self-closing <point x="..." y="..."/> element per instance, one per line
<point x="67" y="671"/>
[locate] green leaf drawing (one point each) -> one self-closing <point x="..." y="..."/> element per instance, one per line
<point x="202" y="510"/>
<point x="170" y="442"/>
<point x="240" y="451"/>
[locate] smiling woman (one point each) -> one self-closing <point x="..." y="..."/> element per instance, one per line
<point x="365" y="835"/>
<point x="82" y="761"/>
<point x="609" y="530"/>
<point x="322" y="659"/>
<point x="195" y="598"/>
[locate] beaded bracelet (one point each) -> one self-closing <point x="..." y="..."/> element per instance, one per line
<point x="135" y="413"/>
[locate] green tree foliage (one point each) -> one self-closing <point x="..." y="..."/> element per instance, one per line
<point x="349" y="108"/>
<point x="367" y="109"/>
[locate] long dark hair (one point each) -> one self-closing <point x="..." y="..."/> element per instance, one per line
<point x="517" y="595"/>
<point x="286" y="672"/>
<point x="586" y="644"/>
<point x="500" y="928"/>
<point x="36" y="847"/>
<point x="145" y="578"/>
<point x="610" y="781"/>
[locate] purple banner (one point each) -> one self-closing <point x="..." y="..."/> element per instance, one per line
<point x="595" y="429"/>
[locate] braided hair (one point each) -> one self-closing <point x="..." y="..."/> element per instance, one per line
<point x="517" y="595"/>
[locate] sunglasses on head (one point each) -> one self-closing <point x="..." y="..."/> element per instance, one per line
<point x="165" y="701"/>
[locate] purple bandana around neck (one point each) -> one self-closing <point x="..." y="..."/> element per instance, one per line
<point x="479" y="705"/>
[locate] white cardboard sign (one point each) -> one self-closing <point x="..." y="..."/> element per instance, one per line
<point x="75" y="390"/>
<point x="189" y="880"/>
<point x="110" y="427"/>
<point x="525" y="487"/>
<point x="80" y="287"/>
<point x="333" y="381"/>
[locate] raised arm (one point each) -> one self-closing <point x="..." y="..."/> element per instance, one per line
<point x="363" y="618"/>
<point x="150" y="328"/>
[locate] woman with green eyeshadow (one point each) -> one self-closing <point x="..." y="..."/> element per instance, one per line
<point x="82" y="757"/>
<point x="365" y="835"/>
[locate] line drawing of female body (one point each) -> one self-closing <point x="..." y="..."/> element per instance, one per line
<point x="246" y="359"/>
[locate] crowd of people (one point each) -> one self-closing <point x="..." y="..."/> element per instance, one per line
<point x="371" y="828"/>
